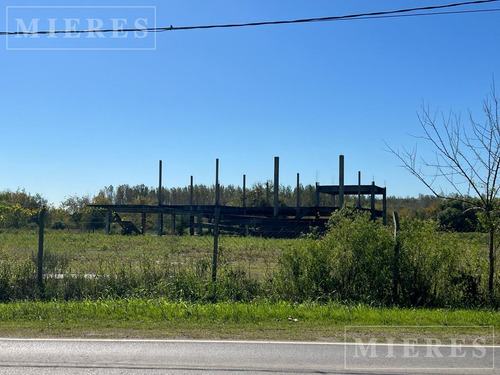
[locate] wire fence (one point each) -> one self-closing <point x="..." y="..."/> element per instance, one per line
<point x="356" y="260"/>
<point x="47" y="262"/>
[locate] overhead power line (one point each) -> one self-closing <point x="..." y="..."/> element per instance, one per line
<point x="419" y="11"/>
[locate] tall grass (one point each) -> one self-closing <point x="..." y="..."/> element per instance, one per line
<point x="353" y="262"/>
<point x="83" y="266"/>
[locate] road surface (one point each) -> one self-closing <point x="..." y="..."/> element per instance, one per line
<point x="18" y="356"/>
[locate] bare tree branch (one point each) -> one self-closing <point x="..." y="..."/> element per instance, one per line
<point x="467" y="159"/>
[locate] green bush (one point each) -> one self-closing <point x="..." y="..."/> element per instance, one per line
<point x="355" y="261"/>
<point x="438" y="268"/>
<point x="457" y="216"/>
<point x="352" y="262"/>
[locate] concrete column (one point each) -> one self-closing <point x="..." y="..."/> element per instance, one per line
<point x="276" y="185"/>
<point x="341" y="181"/>
<point x="160" y="200"/>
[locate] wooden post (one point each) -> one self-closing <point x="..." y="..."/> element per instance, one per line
<point x="359" y="190"/>
<point x="41" y="228"/>
<point x="160" y="201"/>
<point x="276" y="185"/>
<point x="341" y="181"/>
<point x="216" y="223"/>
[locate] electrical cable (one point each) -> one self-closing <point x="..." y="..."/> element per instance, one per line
<point x="371" y="15"/>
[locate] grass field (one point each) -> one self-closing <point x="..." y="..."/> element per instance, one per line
<point x="85" y="252"/>
<point x="258" y="320"/>
<point x="159" y="287"/>
<point x="95" y="265"/>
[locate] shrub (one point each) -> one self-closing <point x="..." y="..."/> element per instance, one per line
<point x="438" y="268"/>
<point x="353" y="261"/>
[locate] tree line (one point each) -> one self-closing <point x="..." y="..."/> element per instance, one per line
<point x="19" y="209"/>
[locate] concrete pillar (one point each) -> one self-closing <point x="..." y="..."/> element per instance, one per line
<point x="341" y="181"/>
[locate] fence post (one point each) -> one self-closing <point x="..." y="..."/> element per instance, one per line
<point x="191" y="217"/>
<point x="41" y="227"/>
<point x="395" y="269"/>
<point x="216" y="223"/>
<point x="160" y="199"/>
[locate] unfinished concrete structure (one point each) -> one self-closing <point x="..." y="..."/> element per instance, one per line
<point x="265" y="221"/>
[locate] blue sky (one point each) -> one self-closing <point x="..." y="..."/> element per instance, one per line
<point x="74" y="121"/>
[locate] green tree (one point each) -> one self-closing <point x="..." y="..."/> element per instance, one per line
<point x="18" y="209"/>
<point x="457" y="216"/>
<point x="75" y="207"/>
<point x="256" y="196"/>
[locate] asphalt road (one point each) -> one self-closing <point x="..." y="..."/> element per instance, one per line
<point x="237" y="357"/>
